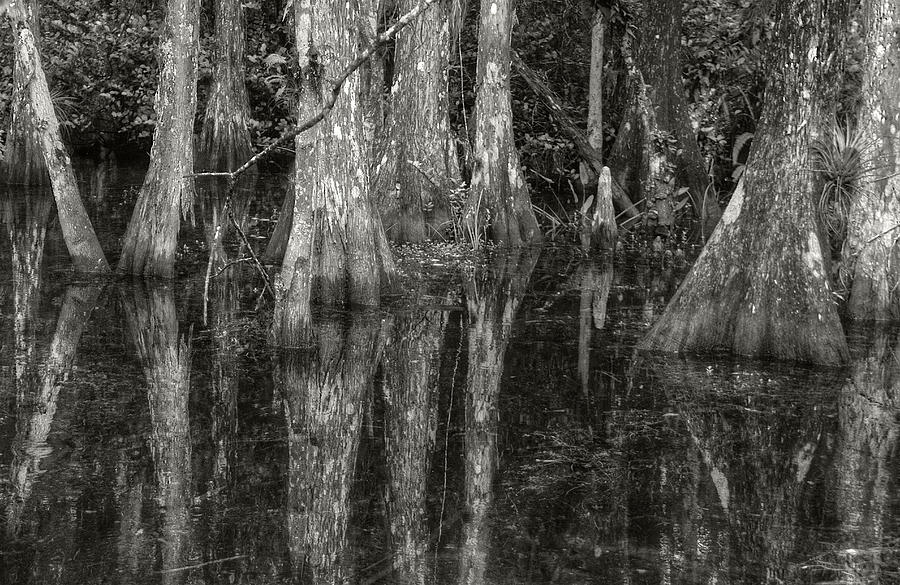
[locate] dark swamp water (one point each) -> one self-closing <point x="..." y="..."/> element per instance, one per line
<point x="491" y="426"/>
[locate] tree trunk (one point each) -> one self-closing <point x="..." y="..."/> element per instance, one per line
<point x="277" y="245"/>
<point x="760" y="288"/>
<point x="337" y="250"/>
<point x="656" y="133"/>
<point x="871" y="251"/>
<point x="418" y="179"/>
<point x="498" y="204"/>
<point x="599" y="229"/>
<point x="152" y="235"/>
<point x="225" y="139"/>
<point x="36" y="134"/>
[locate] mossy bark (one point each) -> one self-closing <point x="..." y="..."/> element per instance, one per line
<point x="871" y="250"/>
<point x="760" y="287"/>
<point x="152" y="234"/>
<point x="419" y="169"/>
<point x="498" y="205"/>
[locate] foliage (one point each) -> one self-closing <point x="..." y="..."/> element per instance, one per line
<point x="842" y="159"/>
<point x="100" y="61"/>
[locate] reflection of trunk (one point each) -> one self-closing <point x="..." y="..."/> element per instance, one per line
<point x="132" y="541"/>
<point x="411" y="369"/>
<point x="493" y="296"/>
<point x="595" y="284"/>
<point x="25" y="219"/>
<point x="223" y="391"/>
<point x="166" y="360"/>
<point x="38" y="393"/>
<point x="866" y="455"/>
<point x="323" y="387"/>
<point x="759" y="439"/>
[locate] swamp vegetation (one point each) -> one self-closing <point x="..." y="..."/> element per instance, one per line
<point x="547" y="291"/>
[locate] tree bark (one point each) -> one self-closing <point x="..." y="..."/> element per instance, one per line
<point x="36" y="134"/>
<point x="760" y="288"/>
<point x="599" y="230"/>
<point x="337" y="251"/>
<point x="498" y="205"/>
<point x="152" y="235"/>
<point x="656" y="133"/>
<point x="225" y="139"/>
<point x="871" y="251"/>
<point x="422" y="170"/>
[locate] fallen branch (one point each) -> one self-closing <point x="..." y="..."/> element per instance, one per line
<point x="588" y="153"/>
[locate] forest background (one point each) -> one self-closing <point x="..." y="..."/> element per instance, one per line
<point x="100" y="58"/>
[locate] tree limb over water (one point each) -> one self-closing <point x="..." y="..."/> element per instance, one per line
<point x="380" y="40"/>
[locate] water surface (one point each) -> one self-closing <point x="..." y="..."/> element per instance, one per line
<point x="491" y="425"/>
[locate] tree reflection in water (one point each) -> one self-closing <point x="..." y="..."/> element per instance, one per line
<point x="38" y="375"/>
<point x="760" y="430"/>
<point x="865" y="463"/>
<point x="493" y="294"/>
<point x="410" y="388"/>
<point x="165" y="357"/>
<point x="323" y="380"/>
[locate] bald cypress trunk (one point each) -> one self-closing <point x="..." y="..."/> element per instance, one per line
<point x="760" y="287"/>
<point x="36" y="149"/>
<point x="225" y="139"/>
<point x="337" y="250"/>
<point x="498" y="204"/>
<point x="152" y="235"/>
<point x="420" y="168"/>
<point x="871" y="249"/>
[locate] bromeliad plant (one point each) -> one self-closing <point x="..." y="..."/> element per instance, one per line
<point x="843" y="162"/>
